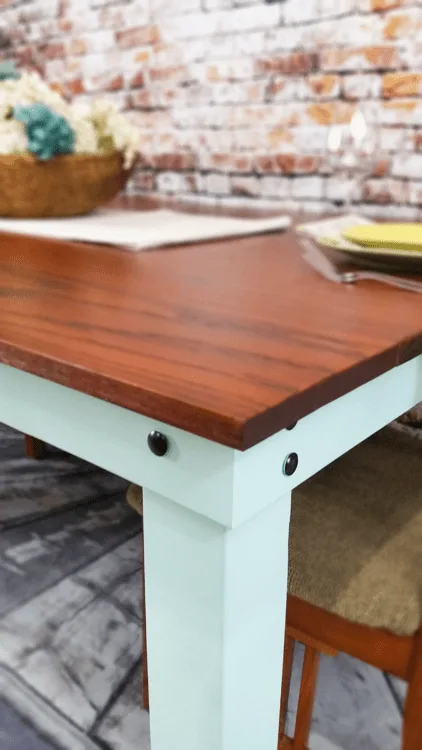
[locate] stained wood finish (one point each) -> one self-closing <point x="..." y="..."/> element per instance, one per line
<point x="230" y="340"/>
<point x="34" y="448"/>
<point x="412" y="725"/>
<point x="296" y="635"/>
<point x="398" y="655"/>
<point x="380" y="648"/>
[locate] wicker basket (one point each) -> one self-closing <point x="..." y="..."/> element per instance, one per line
<point x="63" y="186"/>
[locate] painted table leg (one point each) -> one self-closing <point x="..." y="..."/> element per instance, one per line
<point x="215" y="600"/>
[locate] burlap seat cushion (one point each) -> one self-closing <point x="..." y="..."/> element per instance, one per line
<point x="356" y="535"/>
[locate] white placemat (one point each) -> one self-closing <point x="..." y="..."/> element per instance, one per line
<point x="139" y="230"/>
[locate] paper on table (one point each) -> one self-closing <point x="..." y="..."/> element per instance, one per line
<point x="138" y="230"/>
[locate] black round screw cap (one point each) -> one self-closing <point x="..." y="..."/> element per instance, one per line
<point x="158" y="443"/>
<point x="290" y="464"/>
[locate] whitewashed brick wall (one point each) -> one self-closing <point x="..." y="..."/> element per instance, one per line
<point x="233" y="97"/>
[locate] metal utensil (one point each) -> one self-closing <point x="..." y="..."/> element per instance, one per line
<point x="323" y="265"/>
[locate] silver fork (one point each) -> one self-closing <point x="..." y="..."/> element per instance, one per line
<point x="323" y="265"/>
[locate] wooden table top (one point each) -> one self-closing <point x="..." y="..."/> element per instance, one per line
<point x="231" y="340"/>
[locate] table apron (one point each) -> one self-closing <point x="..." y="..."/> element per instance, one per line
<point x="221" y="483"/>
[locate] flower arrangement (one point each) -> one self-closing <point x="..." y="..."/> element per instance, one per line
<point x="37" y="119"/>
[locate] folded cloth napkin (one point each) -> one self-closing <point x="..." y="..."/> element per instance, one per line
<point x="333" y="228"/>
<point x="138" y="230"/>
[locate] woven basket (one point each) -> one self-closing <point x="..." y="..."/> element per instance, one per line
<point x="63" y="186"/>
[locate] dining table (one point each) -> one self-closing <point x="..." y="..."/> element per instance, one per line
<point x="219" y="376"/>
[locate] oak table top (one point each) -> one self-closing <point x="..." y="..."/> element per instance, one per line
<point x="231" y="340"/>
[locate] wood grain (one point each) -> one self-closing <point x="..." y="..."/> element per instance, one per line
<point x="384" y="650"/>
<point x="398" y="655"/>
<point x="231" y="340"/>
<point x="306" y="699"/>
<point x="412" y="728"/>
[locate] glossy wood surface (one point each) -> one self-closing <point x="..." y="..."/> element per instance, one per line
<point x="231" y="340"/>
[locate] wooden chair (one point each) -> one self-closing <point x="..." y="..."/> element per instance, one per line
<point x="34" y="448"/>
<point x="355" y="574"/>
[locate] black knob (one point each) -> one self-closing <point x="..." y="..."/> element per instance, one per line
<point x="158" y="443"/>
<point x="290" y="464"/>
<point x="291" y="426"/>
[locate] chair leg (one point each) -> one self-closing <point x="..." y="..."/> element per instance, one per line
<point x="306" y="699"/>
<point x="412" y="723"/>
<point x="285" y="690"/>
<point x="34" y="448"/>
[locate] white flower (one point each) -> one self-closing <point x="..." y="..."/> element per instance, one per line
<point x="99" y="125"/>
<point x="86" y="141"/>
<point x="115" y="130"/>
<point x="12" y="137"/>
<point x="31" y="88"/>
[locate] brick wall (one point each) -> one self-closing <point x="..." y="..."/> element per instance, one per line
<point x="233" y="97"/>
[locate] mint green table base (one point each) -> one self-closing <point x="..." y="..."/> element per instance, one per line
<point x="216" y="539"/>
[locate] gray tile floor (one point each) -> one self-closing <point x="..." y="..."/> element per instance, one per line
<point x="70" y="622"/>
<point x="17" y="734"/>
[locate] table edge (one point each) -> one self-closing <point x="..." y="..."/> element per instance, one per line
<point x="232" y="433"/>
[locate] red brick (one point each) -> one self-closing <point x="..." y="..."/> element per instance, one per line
<point x="402" y="84"/>
<point x="397" y="26"/>
<point x="227" y="162"/>
<point x="379" y="56"/>
<point x="75" y="86"/>
<point x="242" y="162"/>
<point x="138" y="36"/>
<point x="381" y="168"/>
<point x="266" y="164"/>
<point x="27" y="57"/>
<point x="173" y="73"/>
<point x="143" y="56"/>
<point x="292" y="63"/>
<point x="385" y="191"/>
<point x="329" y="113"/>
<point x="286" y="163"/>
<point x="138" y="80"/>
<point x="379" y="5"/>
<point x="115" y="83"/>
<point x="78" y="47"/>
<point x="323" y="85"/>
<point x="52" y="51"/>
<point x="418" y="140"/>
<point x="143" y="180"/>
<point x="296" y="164"/>
<point x="278" y="137"/>
<point x="142" y="99"/>
<point x="174" y="161"/>
<point x="65" y="24"/>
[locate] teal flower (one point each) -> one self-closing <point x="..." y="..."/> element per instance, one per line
<point x="48" y="133"/>
<point x="8" y="71"/>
